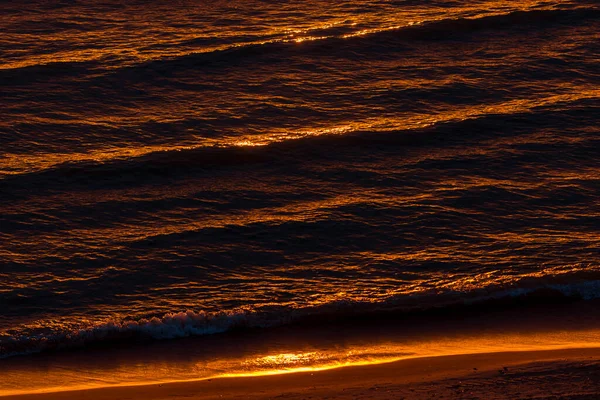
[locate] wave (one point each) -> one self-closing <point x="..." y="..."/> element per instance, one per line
<point x="546" y="290"/>
<point x="520" y="19"/>
<point x="338" y="40"/>
<point x="184" y="162"/>
<point x="378" y="39"/>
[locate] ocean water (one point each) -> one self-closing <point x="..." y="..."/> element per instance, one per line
<point x="183" y="169"/>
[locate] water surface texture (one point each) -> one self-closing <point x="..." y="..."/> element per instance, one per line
<point x="172" y="169"/>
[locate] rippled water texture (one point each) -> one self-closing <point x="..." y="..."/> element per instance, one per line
<point x="174" y="170"/>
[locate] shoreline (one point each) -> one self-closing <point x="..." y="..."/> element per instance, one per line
<point x="438" y="375"/>
<point x="320" y="350"/>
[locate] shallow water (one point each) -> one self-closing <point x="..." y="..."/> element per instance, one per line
<point x="301" y="348"/>
<point x="172" y="171"/>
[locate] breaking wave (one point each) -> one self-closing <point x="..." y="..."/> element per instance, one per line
<point x="200" y="323"/>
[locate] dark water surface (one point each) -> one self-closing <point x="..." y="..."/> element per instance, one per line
<point x="171" y="170"/>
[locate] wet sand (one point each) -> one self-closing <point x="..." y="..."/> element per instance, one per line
<point x="552" y="374"/>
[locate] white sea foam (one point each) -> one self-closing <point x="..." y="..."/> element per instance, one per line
<point x="192" y="323"/>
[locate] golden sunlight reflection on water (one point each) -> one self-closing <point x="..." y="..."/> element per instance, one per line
<point x="390" y="352"/>
<point x="16" y="164"/>
<point x="73" y="373"/>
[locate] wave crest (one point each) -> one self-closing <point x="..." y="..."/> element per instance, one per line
<point x="192" y="323"/>
<point x="324" y="42"/>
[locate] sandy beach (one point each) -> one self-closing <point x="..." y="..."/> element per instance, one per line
<point x="552" y="374"/>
